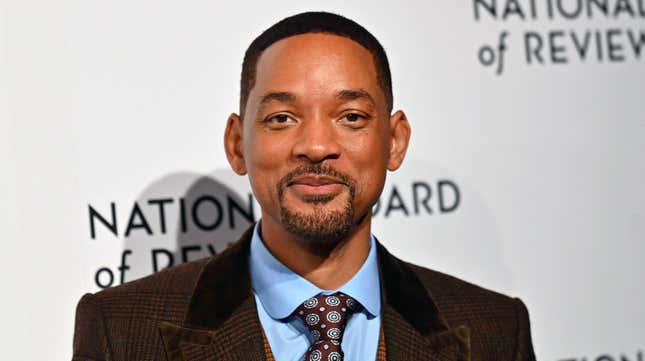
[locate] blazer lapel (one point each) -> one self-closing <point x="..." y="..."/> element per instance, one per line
<point x="221" y="322"/>
<point x="413" y="327"/>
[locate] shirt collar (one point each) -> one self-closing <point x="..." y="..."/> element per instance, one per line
<point x="281" y="290"/>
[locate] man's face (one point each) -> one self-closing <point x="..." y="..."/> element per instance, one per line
<point x="316" y="138"/>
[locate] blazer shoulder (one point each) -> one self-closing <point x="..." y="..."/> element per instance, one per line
<point x="178" y="279"/>
<point x="90" y="336"/>
<point x="442" y="285"/>
<point x="496" y="321"/>
<point x="164" y="295"/>
<point x="110" y="314"/>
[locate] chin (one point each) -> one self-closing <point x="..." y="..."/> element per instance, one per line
<point x="319" y="224"/>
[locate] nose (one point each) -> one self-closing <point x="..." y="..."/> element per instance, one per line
<point x="317" y="141"/>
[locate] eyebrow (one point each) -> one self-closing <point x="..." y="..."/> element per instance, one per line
<point x="355" y="94"/>
<point x="284" y="97"/>
<point x="345" y="94"/>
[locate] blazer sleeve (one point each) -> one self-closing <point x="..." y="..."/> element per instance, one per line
<point x="90" y="336"/>
<point x="524" y="347"/>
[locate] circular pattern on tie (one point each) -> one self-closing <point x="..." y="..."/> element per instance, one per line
<point x="333" y="317"/>
<point x="333" y="333"/>
<point x="312" y="319"/>
<point x="315" y="334"/>
<point x="311" y="303"/>
<point x="316" y="355"/>
<point x="332" y="301"/>
<point x="351" y="304"/>
<point x="334" y="356"/>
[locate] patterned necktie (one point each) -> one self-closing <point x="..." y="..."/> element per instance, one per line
<point x="325" y="316"/>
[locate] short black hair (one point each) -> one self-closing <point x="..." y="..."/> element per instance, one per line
<point x="315" y="22"/>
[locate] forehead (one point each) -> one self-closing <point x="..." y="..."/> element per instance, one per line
<point x="315" y="63"/>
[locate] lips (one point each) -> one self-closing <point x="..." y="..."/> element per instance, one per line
<point x="315" y="180"/>
<point x="307" y="185"/>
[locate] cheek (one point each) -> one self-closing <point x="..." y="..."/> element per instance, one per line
<point x="267" y="150"/>
<point x="368" y="157"/>
<point x="265" y="157"/>
<point x="368" y="148"/>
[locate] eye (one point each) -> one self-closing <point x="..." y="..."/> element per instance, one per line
<point x="354" y="120"/>
<point x="280" y="120"/>
<point x="353" y="117"/>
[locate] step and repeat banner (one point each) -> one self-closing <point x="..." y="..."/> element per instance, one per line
<point x="525" y="172"/>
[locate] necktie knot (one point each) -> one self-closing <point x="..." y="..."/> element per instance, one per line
<point x="325" y="316"/>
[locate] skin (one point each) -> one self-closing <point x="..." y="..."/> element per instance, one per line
<point x="316" y="100"/>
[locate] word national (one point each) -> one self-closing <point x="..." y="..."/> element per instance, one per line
<point x="558" y="9"/>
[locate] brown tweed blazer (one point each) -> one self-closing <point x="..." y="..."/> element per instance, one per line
<point x="205" y="310"/>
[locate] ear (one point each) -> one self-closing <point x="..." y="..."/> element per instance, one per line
<point x="233" y="144"/>
<point x="399" y="139"/>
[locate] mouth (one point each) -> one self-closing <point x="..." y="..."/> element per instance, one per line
<point x="315" y="180"/>
<point x="314" y="184"/>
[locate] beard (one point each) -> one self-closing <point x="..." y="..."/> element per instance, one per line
<point x="321" y="226"/>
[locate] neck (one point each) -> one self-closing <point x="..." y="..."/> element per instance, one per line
<point x="327" y="268"/>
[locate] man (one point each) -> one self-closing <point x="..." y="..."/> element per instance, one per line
<point x="316" y="135"/>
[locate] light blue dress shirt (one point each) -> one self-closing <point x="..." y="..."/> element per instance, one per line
<point x="279" y="291"/>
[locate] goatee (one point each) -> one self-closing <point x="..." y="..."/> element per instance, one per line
<point x="323" y="227"/>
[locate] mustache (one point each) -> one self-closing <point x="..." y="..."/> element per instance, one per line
<point x="317" y="169"/>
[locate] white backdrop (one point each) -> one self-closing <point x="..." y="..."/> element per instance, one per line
<point x="523" y="177"/>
